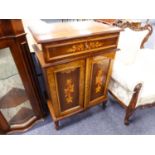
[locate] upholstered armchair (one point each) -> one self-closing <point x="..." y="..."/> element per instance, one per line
<point x="133" y="75"/>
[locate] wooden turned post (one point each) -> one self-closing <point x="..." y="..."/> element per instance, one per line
<point x="56" y="125"/>
<point x="104" y="104"/>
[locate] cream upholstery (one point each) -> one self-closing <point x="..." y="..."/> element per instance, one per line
<point x="126" y="77"/>
<point x="129" y="43"/>
<point x="133" y="65"/>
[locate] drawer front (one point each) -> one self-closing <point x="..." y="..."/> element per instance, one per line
<point x="66" y="84"/>
<point x="80" y="46"/>
<point x="97" y="78"/>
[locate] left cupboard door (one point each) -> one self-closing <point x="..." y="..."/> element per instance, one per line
<point x="66" y="87"/>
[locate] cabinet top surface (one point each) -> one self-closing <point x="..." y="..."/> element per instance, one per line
<point x="45" y="33"/>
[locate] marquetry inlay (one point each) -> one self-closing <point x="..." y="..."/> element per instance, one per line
<point x="69" y="90"/>
<point x="85" y="46"/>
<point x="98" y="81"/>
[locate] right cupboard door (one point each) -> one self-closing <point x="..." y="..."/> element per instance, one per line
<point x="98" y="71"/>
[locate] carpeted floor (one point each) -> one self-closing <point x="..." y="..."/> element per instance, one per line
<point x="97" y="121"/>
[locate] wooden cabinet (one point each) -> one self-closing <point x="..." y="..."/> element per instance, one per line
<point x="76" y="59"/>
<point x="20" y="99"/>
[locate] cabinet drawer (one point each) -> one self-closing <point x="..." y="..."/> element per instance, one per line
<point x="79" y="46"/>
<point x="66" y="85"/>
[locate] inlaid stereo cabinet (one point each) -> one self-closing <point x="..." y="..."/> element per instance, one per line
<point x="76" y="59"/>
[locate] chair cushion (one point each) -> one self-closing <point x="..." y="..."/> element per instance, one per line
<point x="127" y="75"/>
<point x="120" y="92"/>
<point x="129" y="42"/>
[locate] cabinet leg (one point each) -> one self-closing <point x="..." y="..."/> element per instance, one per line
<point x="56" y="125"/>
<point x="104" y="104"/>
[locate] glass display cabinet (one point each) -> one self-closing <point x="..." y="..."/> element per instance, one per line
<point x="20" y="101"/>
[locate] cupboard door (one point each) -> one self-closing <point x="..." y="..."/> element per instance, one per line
<point x="98" y="71"/>
<point x="66" y="85"/>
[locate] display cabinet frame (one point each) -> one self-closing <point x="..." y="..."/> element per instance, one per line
<point x="13" y="36"/>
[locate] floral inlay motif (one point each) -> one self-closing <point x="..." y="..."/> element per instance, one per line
<point x="95" y="44"/>
<point x="98" y="81"/>
<point x="69" y="89"/>
<point x="85" y="46"/>
<point x="77" y="48"/>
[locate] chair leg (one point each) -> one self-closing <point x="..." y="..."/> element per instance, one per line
<point x="56" y="124"/>
<point x="128" y="114"/>
<point x="126" y="121"/>
<point x="131" y="108"/>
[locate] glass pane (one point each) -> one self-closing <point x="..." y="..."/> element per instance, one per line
<point x="14" y="103"/>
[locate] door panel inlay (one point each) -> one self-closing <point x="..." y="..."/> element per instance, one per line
<point x="99" y="79"/>
<point x="68" y="88"/>
<point x="99" y="76"/>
